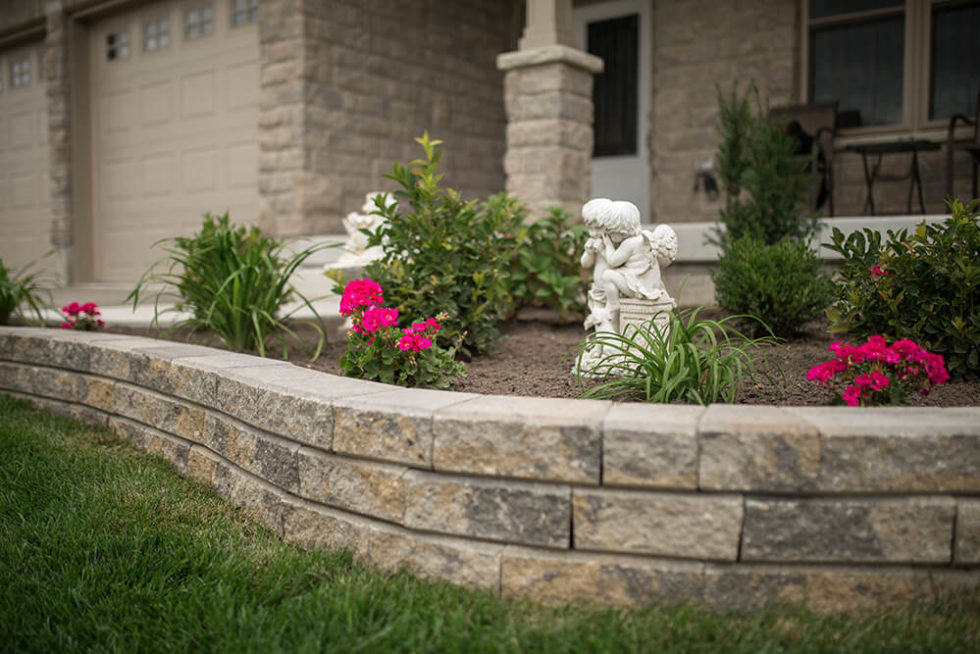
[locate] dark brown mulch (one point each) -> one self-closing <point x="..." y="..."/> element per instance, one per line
<point x="536" y="354"/>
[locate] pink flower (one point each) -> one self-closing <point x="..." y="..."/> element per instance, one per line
<point x="825" y="371"/>
<point x="71" y="309"/>
<point x="90" y="308"/>
<point x="360" y="293"/>
<point x="376" y="317"/>
<point x="413" y="342"/>
<point x="852" y="395"/>
<point x="68" y="325"/>
<point x="875" y="380"/>
<point x="906" y="348"/>
<point x="877" y="272"/>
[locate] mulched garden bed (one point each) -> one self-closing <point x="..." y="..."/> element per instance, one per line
<point x="536" y="354"/>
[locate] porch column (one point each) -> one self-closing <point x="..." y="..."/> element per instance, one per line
<point x="57" y="75"/>
<point x="548" y="99"/>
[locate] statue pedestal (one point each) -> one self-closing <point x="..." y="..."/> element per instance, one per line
<point x="634" y="314"/>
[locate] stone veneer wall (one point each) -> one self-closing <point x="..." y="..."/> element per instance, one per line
<point x="731" y="506"/>
<point x="347" y="86"/>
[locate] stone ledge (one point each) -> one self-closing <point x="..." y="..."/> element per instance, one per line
<point x="552" y="499"/>
<point x="551" y="54"/>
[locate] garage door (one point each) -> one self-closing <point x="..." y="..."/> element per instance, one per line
<point x="25" y="216"/>
<point x="174" y="97"/>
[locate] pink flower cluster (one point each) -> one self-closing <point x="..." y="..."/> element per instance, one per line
<point x="360" y="293"/>
<point x="877" y="272"/>
<point x="82" y="316"/>
<point x="863" y="369"/>
<point x="415" y="339"/>
<point x="375" y="318"/>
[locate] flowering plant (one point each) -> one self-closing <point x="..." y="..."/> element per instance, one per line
<point x="876" y="373"/>
<point x="82" y="316"/>
<point x="378" y="349"/>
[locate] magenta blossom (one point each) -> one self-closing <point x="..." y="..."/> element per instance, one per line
<point x="360" y="293"/>
<point x="375" y="318"/>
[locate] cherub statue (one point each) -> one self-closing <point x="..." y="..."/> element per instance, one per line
<point x="356" y="248"/>
<point x="625" y="259"/>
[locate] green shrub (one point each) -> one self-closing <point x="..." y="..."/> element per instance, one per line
<point x="923" y="286"/>
<point x="545" y="270"/>
<point x="22" y="292"/>
<point x="701" y="361"/>
<point x="444" y="254"/>
<point x="233" y="281"/>
<point x="782" y="284"/>
<point x="765" y="184"/>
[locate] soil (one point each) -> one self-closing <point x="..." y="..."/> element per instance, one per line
<point x="536" y="354"/>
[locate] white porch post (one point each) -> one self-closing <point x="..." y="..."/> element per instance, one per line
<point x="548" y="99"/>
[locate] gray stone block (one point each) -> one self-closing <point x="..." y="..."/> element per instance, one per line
<point x="664" y="524"/>
<point x="914" y="530"/>
<point x="270" y="458"/>
<point x="966" y="550"/>
<point x="513" y="512"/>
<point x="652" y="446"/>
<point x="530" y="438"/>
<point x="365" y="487"/>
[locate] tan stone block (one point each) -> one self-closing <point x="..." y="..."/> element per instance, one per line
<point x="663" y="524"/>
<point x="967" y="547"/>
<point x="364" y="487"/>
<point x="914" y="530"/>
<point x="201" y="464"/>
<point x="391" y="426"/>
<point x="153" y="441"/>
<point x="740" y="587"/>
<point x="570" y="576"/>
<point x="272" y="459"/>
<point x="897" y="448"/>
<point x="508" y="511"/>
<point x="854" y="591"/>
<point x="757" y="448"/>
<point x="530" y="438"/>
<point x="98" y="393"/>
<point x="260" y="500"/>
<point x="651" y="445"/>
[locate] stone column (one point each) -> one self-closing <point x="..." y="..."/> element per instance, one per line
<point x="548" y="99"/>
<point x="57" y="75"/>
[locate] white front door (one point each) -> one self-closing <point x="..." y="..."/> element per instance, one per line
<point x="619" y="33"/>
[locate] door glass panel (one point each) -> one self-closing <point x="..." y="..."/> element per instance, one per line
<point x="615" y="89"/>
<point x="955" y="61"/>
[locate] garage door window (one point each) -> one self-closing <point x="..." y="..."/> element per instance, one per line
<point x="156" y="34"/>
<point x="198" y="22"/>
<point x="20" y="73"/>
<point x="244" y="12"/>
<point x="117" y="46"/>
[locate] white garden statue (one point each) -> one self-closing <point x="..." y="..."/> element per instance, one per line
<point x="626" y="261"/>
<point x="356" y="250"/>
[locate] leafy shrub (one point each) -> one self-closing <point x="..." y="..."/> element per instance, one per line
<point x="764" y="183"/>
<point x="923" y="286"/>
<point x="22" y="292"/>
<point x="378" y="350"/>
<point x="234" y="281"/>
<point x="781" y="283"/>
<point x="700" y="362"/>
<point x="875" y="373"/>
<point x="545" y="270"/>
<point x="442" y="253"/>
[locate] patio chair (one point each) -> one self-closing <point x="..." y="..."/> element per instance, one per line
<point x="815" y="127"/>
<point x="970" y="145"/>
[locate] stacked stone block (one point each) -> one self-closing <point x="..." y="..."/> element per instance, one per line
<point x="730" y="506"/>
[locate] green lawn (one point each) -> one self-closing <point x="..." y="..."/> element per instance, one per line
<point x="103" y="548"/>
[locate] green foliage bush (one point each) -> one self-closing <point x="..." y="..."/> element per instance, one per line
<point x="782" y="283"/>
<point x="923" y="286"/>
<point x="444" y="254"/>
<point x="764" y="182"/>
<point x="700" y="362"/>
<point x="234" y="282"/>
<point x="24" y="292"/>
<point x="545" y="270"/>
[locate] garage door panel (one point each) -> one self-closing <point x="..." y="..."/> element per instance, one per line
<point x="23" y="131"/>
<point x="241" y="165"/>
<point x="157" y="101"/>
<point x="198" y="170"/>
<point x="243" y="86"/>
<point x="157" y="174"/>
<point x="119" y="112"/>
<point x="197" y="94"/>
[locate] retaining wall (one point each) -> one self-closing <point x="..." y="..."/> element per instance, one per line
<point x="730" y="506"/>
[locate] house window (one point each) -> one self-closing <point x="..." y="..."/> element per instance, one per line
<point x="894" y="63"/>
<point x="244" y="12"/>
<point x="614" y="93"/>
<point x="198" y="22"/>
<point x="117" y="46"/>
<point x="156" y="34"/>
<point x="20" y="73"/>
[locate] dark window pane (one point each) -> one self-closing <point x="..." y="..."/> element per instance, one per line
<point x="824" y="8"/>
<point x="615" y="90"/>
<point x="860" y="66"/>
<point x="955" y="61"/>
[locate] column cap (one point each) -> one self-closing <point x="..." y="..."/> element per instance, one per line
<point x="550" y="54"/>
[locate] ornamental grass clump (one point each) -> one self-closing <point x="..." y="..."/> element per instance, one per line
<point x="377" y="349"/>
<point x="699" y="361"/>
<point x="234" y="282"/>
<point x="875" y="373"/>
<point x="22" y="293"/>
<point x="923" y="287"/>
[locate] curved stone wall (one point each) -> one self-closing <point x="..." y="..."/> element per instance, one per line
<point x="730" y="506"/>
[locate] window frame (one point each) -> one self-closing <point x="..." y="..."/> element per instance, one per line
<point x="916" y="64"/>
<point x="156" y="20"/>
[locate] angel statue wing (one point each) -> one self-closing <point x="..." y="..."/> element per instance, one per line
<point x="663" y="244"/>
